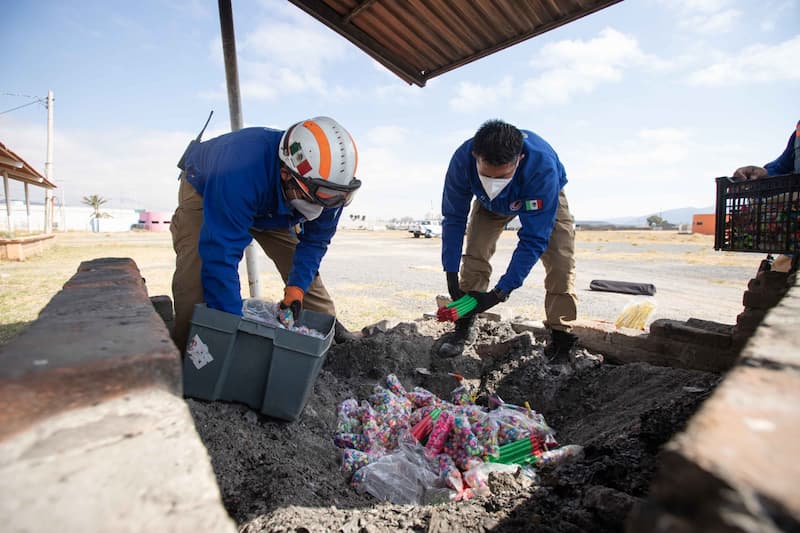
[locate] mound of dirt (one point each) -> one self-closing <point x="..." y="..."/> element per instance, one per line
<point x="276" y="476"/>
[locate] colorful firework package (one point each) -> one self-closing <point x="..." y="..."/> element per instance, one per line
<point x="413" y="447"/>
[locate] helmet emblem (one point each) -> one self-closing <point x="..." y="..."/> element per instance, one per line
<point x="299" y="159"/>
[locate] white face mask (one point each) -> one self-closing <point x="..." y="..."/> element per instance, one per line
<point x="494" y="186"/>
<point x="306" y="208"/>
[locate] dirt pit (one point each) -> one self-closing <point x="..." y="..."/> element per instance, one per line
<point x="277" y="476"/>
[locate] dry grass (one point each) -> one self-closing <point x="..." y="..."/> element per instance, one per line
<point x="26" y="287"/>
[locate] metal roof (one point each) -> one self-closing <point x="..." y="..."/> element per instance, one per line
<point x="18" y="169"/>
<point x="421" y="39"/>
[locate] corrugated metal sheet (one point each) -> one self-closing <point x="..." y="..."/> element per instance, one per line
<point x="421" y="39"/>
<point x="18" y="169"/>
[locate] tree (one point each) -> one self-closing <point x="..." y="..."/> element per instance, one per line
<point x="655" y="220"/>
<point x="95" y="202"/>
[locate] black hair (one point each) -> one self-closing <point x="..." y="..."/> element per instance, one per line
<point x="497" y="143"/>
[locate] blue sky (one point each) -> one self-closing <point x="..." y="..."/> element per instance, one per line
<point x="646" y="102"/>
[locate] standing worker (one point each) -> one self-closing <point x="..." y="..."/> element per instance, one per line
<point x="786" y="163"/>
<point x="510" y="173"/>
<point x="262" y="184"/>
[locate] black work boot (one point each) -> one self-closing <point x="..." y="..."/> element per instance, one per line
<point x="454" y="343"/>
<point x="560" y="349"/>
<point x="341" y="334"/>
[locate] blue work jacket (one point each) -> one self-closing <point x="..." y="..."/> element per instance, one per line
<point x="532" y="195"/>
<point x="238" y="176"/>
<point x="789" y="161"/>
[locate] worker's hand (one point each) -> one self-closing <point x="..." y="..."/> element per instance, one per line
<point x="486" y="300"/>
<point x="290" y="306"/>
<point x="452" y="286"/>
<point x="749" y="173"/>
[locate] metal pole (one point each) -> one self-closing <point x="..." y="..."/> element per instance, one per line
<point x="235" y="110"/>
<point x="27" y="207"/>
<point x="8" y="205"/>
<point x="48" y="166"/>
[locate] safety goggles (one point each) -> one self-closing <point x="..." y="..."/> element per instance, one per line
<point x="324" y="192"/>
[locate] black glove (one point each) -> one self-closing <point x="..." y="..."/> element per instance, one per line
<point x="452" y="286"/>
<point x="291" y="305"/>
<point x="487" y="300"/>
<point x="288" y="319"/>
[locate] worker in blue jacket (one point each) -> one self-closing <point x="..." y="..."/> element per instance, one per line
<point x="786" y="163"/>
<point x="260" y="183"/>
<point x="504" y="172"/>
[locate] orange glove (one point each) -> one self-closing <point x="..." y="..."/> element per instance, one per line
<point x="291" y="305"/>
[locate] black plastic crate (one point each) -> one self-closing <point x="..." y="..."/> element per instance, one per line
<point x="758" y="215"/>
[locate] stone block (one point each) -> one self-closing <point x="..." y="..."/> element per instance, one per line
<point x="749" y="319"/>
<point x="163" y="306"/>
<point x="771" y="281"/>
<point x="735" y="467"/>
<point x="698" y="332"/>
<point x="777" y="341"/>
<point x="379" y="327"/>
<point x="130" y="464"/>
<point x="92" y="341"/>
<point x="761" y="299"/>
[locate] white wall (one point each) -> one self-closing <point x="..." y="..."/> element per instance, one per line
<point x="71" y="218"/>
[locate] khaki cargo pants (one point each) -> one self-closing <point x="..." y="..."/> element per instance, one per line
<point x="187" y="288"/>
<point x="483" y="231"/>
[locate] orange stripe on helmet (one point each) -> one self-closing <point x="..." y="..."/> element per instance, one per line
<point x="324" y="148"/>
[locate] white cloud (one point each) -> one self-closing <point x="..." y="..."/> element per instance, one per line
<point x="130" y="168"/>
<point x="472" y="96"/>
<point x="621" y="177"/>
<point x="387" y="135"/>
<point x="704" y="16"/>
<point x="721" y="22"/>
<point x="573" y="67"/>
<point x="289" y="53"/>
<point x="397" y="183"/>
<point x="758" y="63"/>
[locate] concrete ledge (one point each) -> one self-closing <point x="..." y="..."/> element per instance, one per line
<point x="735" y="466"/>
<point x="94" y="433"/>
<point x="97" y="338"/>
<point x="623" y="345"/>
<point x="129" y="464"/>
<point x="23" y="247"/>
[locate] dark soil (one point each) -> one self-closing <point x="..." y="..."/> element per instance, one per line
<point x="277" y="476"/>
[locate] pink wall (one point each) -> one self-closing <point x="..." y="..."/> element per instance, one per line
<point x="154" y="220"/>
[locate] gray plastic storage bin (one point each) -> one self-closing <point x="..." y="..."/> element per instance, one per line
<point x="240" y="360"/>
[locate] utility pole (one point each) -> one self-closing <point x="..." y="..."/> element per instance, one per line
<point x="48" y="167"/>
<point x="235" y="110"/>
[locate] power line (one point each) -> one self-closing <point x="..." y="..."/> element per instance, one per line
<point x="39" y="101"/>
<point x="22" y="95"/>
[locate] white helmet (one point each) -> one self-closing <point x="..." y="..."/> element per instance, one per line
<point x="322" y="157"/>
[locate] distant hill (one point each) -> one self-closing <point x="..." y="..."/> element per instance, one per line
<point x="682" y="215"/>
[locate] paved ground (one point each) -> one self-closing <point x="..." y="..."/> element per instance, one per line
<point x="399" y="275"/>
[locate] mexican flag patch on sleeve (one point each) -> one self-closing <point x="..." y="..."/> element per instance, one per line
<point x="532" y="205"/>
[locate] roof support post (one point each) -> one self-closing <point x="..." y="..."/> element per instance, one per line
<point x="235" y="111"/>
<point x="8" y="204"/>
<point x="27" y="207"/>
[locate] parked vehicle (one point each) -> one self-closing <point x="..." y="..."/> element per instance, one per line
<point x="426" y="228"/>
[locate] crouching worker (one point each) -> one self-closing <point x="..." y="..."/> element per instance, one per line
<point x="509" y="173"/>
<point x="260" y="183"/>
